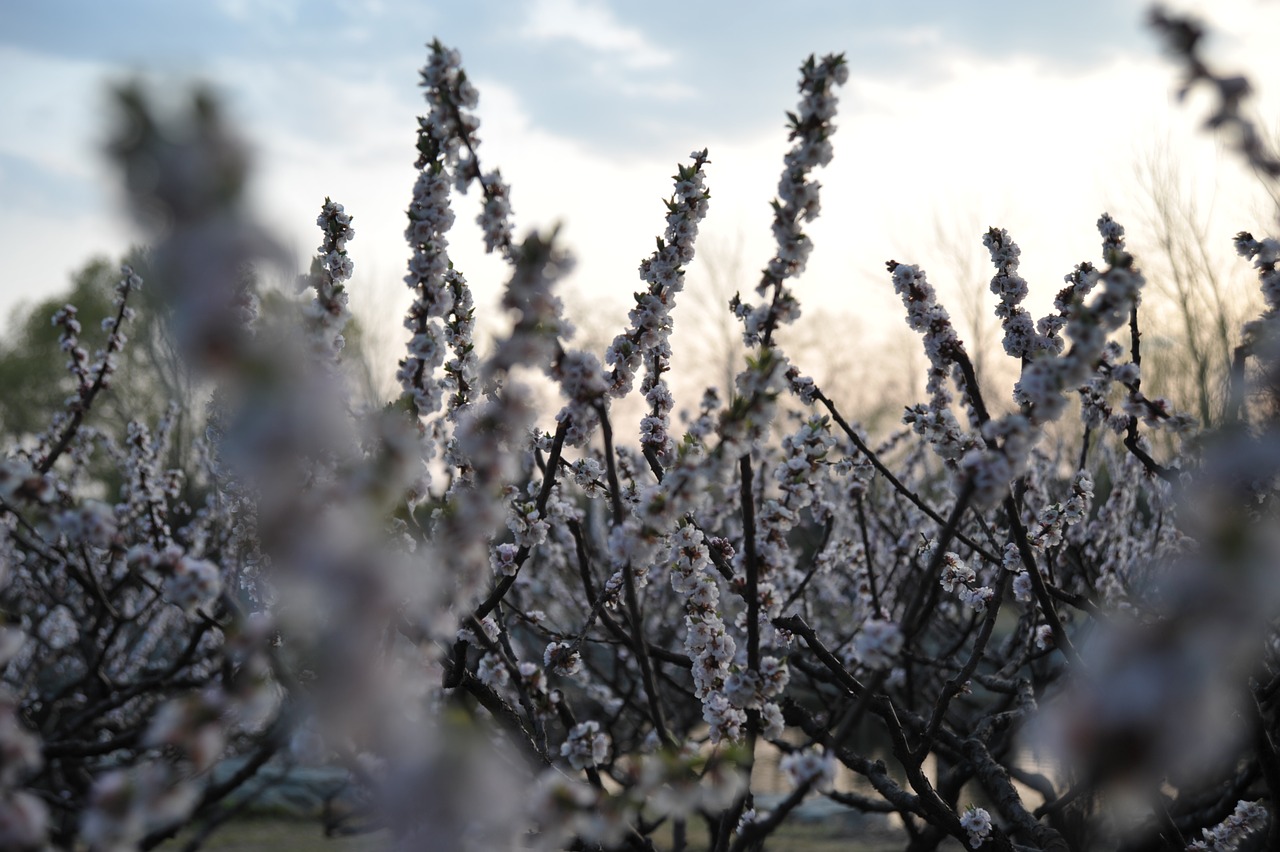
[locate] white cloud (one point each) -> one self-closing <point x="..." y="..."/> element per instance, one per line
<point x="55" y="118"/>
<point x="591" y="24"/>
<point x="918" y="36"/>
<point x="55" y="124"/>
<point x="262" y="11"/>
<point x="43" y="250"/>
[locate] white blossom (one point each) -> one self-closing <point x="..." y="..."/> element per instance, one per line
<point x="977" y="823"/>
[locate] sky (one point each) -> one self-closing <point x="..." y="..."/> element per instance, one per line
<point x="957" y="116"/>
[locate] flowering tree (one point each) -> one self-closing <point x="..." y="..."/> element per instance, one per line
<point x="514" y="629"/>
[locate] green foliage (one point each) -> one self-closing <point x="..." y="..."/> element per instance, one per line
<point x="33" y="378"/>
<point x="35" y="383"/>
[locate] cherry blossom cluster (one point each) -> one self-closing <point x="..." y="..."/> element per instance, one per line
<point x="1227" y="836"/>
<point x="128" y="805"/>
<point x="430" y="218"/>
<point x="447" y="135"/>
<point x="647" y="341"/>
<point x="878" y="643"/>
<point x="540" y="325"/>
<point x="583" y="382"/>
<point x="1044" y="382"/>
<point x="586" y="745"/>
<point x="710" y="647"/>
<point x="1001" y="455"/>
<point x="148" y="487"/>
<point x="811" y="767"/>
<point x="977" y="824"/>
<point x="1265" y="254"/>
<point x="1020" y="337"/>
<point x="89" y="379"/>
<point x="69" y="342"/>
<point x="811" y="127"/>
<point x="331" y="269"/>
<point x="1048" y="530"/>
<point x="926" y="316"/>
<point x="444" y="130"/>
<point x="960" y="580"/>
<point x="806" y="459"/>
<point x="1058" y="520"/>
<point x="442" y="314"/>
<point x="188" y="582"/>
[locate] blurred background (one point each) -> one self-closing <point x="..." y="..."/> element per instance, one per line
<point x="957" y="117"/>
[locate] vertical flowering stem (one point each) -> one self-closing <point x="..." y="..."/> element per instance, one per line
<point x="1022" y="339"/>
<point x="798" y="197"/>
<point x="665" y="273"/>
<point x="946" y="354"/>
<point x="453" y="128"/>
<point x="430" y="219"/>
<point x="647" y="341"/>
<point x="448" y="139"/>
<point x="442" y="295"/>
<point x="327" y="315"/>
<point x="101" y="371"/>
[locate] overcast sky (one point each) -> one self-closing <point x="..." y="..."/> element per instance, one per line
<point x="958" y="115"/>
